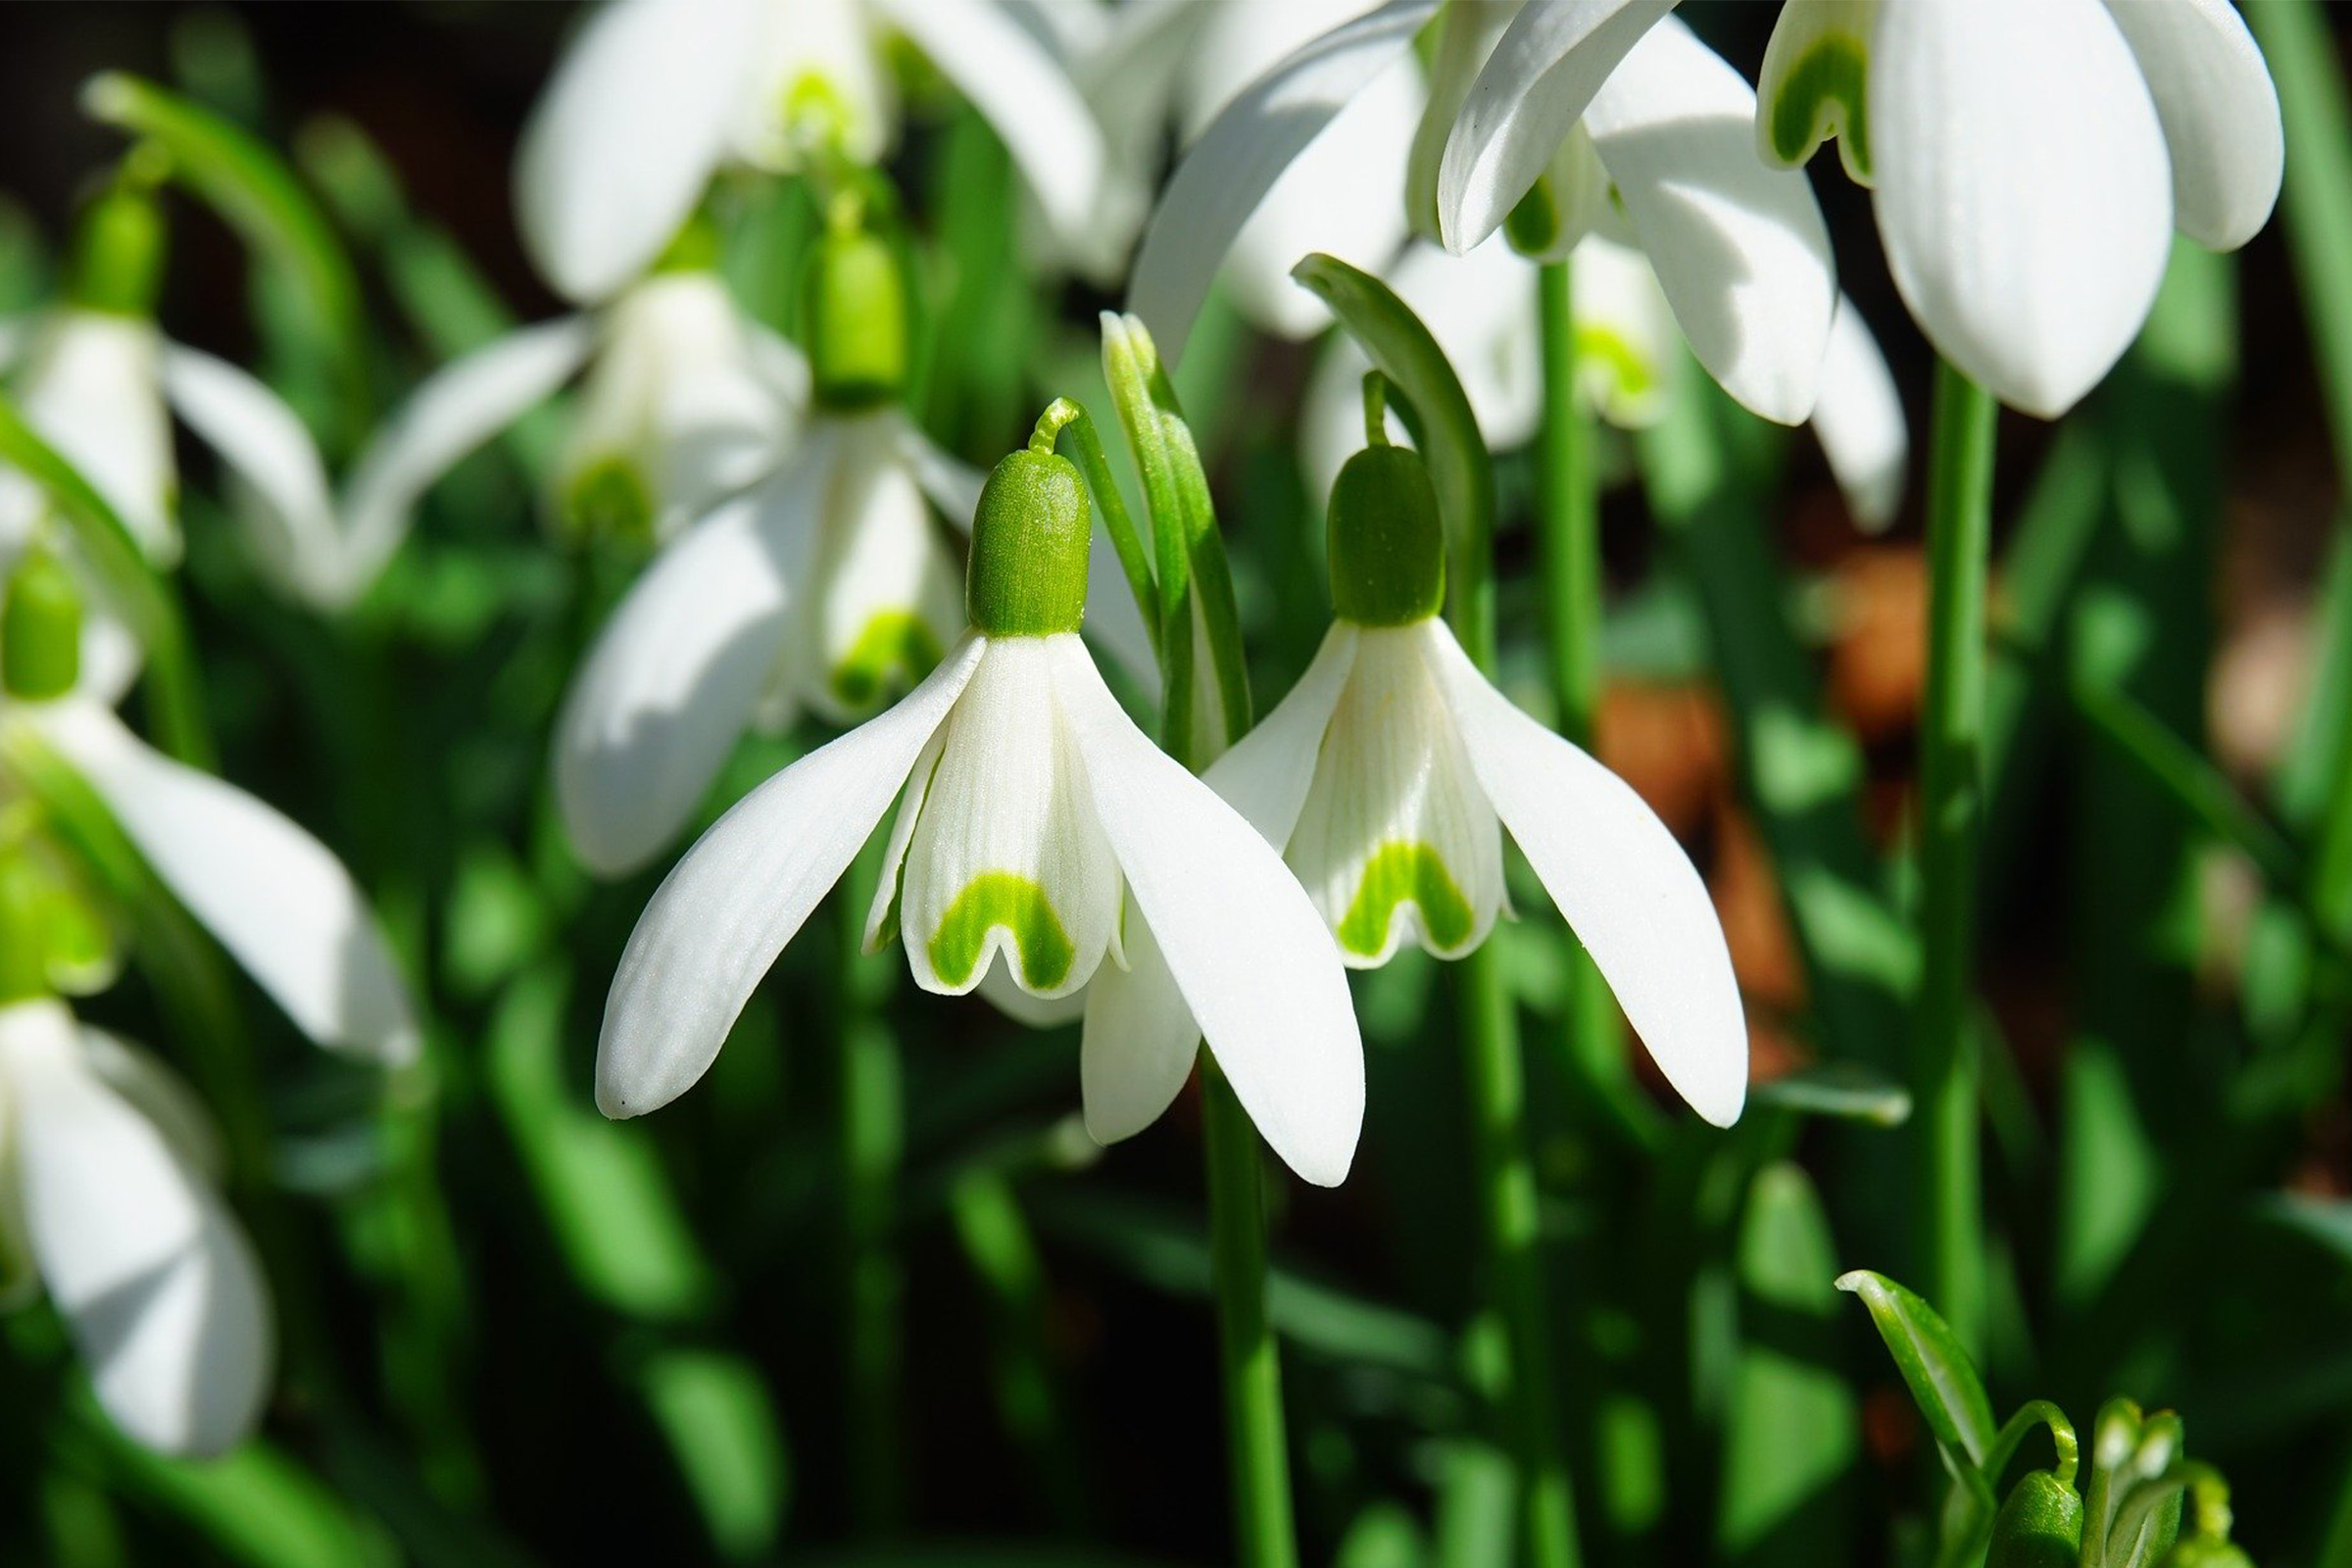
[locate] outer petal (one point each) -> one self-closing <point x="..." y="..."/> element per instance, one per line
<point x="720" y="917"/>
<point x="1014" y="80"/>
<point x="1859" y="420"/>
<point x="456" y="409"/>
<point x="161" y="1289"/>
<point x="1007" y="858"/>
<point x="2024" y="194"/>
<point x="1628" y="890"/>
<point x="1739" y="247"/>
<point x="92" y="390"/>
<point x="671" y="683"/>
<point x="1244" y="152"/>
<point x="618" y="147"/>
<point x="277" y="897"/>
<point x="156" y="1092"/>
<point x="1534" y="87"/>
<point x="1246" y="948"/>
<point x="1265" y="775"/>
<point x="2220" y="112"/>
<point x="290" y="511"/>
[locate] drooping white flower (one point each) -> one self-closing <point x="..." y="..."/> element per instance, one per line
<point x="108" y="1170"/>
<point x="2030" y="160"/>
<point x="1039" y="836"/>
<point x="826" y="586"/>
<point x="1608" y="115"/>
<point x="656" y="95"/>
<point x="275" y="897"/>
<point x="1389" y="775"/>
<point x="1481" y="310"/>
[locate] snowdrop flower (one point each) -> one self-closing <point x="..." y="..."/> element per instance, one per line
<point x="275" y="897"/>
<point x="96" y="379"/>
<point x="2030" y="160"/>
<point x="1040" y="837"/>
<point x="1481" y="310"/>
<point x="685" y="400"/>
<point x="1389" y="775"/>
<point x="826" y="585"/>
<point x="108" y="1174"/>
<point x="1608" y="116"/>
<point x="656" y="95"/>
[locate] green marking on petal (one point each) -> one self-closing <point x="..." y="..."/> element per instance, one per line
<point x="896" y="647"/>
<point x="1398" y="873"/>
<point x="1011" y="901"/>
<point x="1601" y="352"/>
<point x="1824" y="94"/>
<point x="610" y="499"/>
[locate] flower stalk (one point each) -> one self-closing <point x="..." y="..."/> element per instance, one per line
<point x="1944" y="1057"/>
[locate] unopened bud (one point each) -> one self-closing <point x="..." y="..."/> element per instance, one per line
<point x="854" y="313"/>
<point x="41" y="629"/>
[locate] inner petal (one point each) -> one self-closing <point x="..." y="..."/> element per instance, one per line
<point x="1396" y="841"/>
<point x="1007" y="858"/>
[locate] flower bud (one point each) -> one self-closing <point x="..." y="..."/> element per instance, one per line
<point x="41" y="629"/>
<point x="115" y="262"/>
<point x="1029" y="538"/>
<point x="1387" y="547"/>
<point x="854" y="313"/>
<point x="2039" y="1525"/>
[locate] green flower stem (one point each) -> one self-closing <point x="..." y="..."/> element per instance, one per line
<point x="1256" y="1432"/>
<point x="1498" y="1085"/>
<point x="1945" y="1067"/>
<point x="1568" y="529"/>
<point x="872" y="1122"/>
<point x="1066" y="428"/>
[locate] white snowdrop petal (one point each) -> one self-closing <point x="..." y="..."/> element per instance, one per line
<point x="1859" y="420"/>
<point x="1626" y="338"/>
<point x="452" y="411"/>
<point x="1245" y="947"/>
<point x="2024" y="195"/>
<point x="618" y="147"/>
<point x="1536" y="84"/>
<point x="670" y="682"/>
<point x="1739" y="247"/>
<point x="288" y="510"/>
<point x="1394" y="842"/>
<point x="166" y="1099"/>
<point x="160" y="1288"/>
<point x="716" y="923"/>
<point x="277" y="898"/>
<point x="1014" y="80"/>
<point x="884" y="596"/>
<point x="92" y="388"/>
<point x="1265" y="775"/>
<point x="1007" y="856"/>
<point x="1626" y="887"/>
<point x="1244" y="152"/>
<point x="2220" y="112"/>
<point x="1140" y="1039"/>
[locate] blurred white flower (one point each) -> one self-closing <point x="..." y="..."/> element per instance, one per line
<point x="828" y="585"/>
<point x="275" y="897"/>
<point x="107" y="1169"/>
<point x="1387" y="776"/>
<point x="2030" y="160"/>
<point x="656" y="95"/>
<point x="1609" y="116"/>
<point x="1029" y="800"/>
<point x="1481" y="310"/>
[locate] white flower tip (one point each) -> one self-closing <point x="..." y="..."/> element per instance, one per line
<point x="1324" y="1166"/>
<point x="619" y="1094"/>
<point x="105" y="96"/>
<point x="1857" y="1282"/>
<point x="1720" y="1099"/>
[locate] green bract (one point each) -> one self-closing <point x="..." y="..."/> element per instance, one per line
<point x="1388" y="546"/>
<point x="1029" y="549"/>
<point x="117" y="262"/>
<point x="41" y="629"/>
<point x="853" y="311"/>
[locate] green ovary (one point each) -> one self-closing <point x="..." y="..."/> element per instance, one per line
<point x="609" y="499"/>
<point x="1832" y="72"/>
<point x="1015" y="904"/>
<point x="894" y="645"/>
<point x="1406" y="873"/>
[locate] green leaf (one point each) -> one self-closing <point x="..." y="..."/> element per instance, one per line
<point x="1944" y="1382"/>
<point x="1401" y="348"/>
